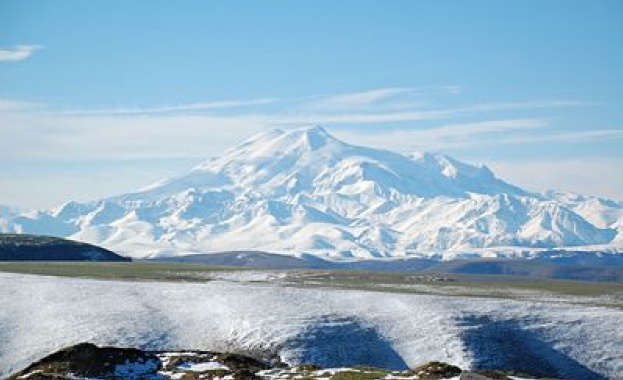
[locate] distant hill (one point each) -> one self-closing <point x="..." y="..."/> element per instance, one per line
<point x="266" y="260"/>
<point x="572" y="265"/>
<point x="18" y="247"/>
<point x="538" y="269"/>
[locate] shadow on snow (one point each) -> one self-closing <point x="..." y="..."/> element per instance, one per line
<point x="342" y="342"/>
<point x="505" y="345"/>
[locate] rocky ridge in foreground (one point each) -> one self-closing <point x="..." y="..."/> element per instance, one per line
<point x="88" y="361"/>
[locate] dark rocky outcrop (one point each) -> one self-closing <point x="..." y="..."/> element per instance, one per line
<point x="88" y="361"/>
<point x="19" y="247"/>
<point x="436" y="370"/>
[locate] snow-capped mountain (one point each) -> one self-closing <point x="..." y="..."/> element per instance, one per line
<point x="6" y="214"/>
<point x="304" y="191"/>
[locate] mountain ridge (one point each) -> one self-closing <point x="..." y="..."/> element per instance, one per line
<point x="304" y="191"/>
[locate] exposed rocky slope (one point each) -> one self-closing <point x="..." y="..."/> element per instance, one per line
<point x="87" y="361"/>
<point x="304" y="191"/>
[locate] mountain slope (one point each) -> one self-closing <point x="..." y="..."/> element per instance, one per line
<point x="601" y="212"/>
<point x="304" y="191"/>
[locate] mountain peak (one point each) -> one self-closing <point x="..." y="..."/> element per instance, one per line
<point x="283" y="142"/>
<point x="316" y="129"/>
<point x="303" y="190"/>
<point x="451" y="167"/>
<point x="314" y="137"/>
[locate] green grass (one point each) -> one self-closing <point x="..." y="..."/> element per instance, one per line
<point x="115" y="270"/>
<point x="416" y="283"/>
<point x="566" y="287"/>
<point x="486" y="286"/>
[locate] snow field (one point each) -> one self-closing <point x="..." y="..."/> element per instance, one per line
<point x="42" y="314"/>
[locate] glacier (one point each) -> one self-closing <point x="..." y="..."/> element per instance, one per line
<point x="303" y="191"/>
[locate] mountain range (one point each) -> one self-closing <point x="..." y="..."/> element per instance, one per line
<point x="304" y="191"/>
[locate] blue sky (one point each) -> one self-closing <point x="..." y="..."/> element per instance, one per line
<point x="102" y="97"/>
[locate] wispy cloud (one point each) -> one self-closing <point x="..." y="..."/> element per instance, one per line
<point x="389" y="114"/>
<point x="452" y="89"/>
<point x="599" y="176"/>
<point x="383" y="105"/>
<point x="380" y="98"/>
<point x="442" y="137"/>
<point x="356" y="100"/>
<point x="536" y="104"/>
<point x="476" y="135"/>
<point x="35" y="135"/>
<point x="18" y="53"/>
<point x="38" y="136"/>
<point x="563" y="137"/>
<point x="13" y="105"/>
<point x="484" y="127"/>
<point x="195" y="106"/>
<point x="198" y="130"/>
<point x="362" y="118"/>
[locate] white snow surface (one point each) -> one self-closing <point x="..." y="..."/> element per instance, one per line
<point x="304" y="191"/>
<point x="200" y="367"/>
<point x="331" y="327"/>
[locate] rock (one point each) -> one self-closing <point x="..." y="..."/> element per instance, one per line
<point x="88" y="360"/>
<point x="436" y="370"/>
<point x="24" y="247"/>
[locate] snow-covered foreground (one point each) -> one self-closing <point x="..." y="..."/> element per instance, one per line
<point x="330" y="327"/>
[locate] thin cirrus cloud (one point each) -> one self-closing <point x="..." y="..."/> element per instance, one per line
<point x="13" y="105"/>
<point x="390" y="97"/>
<point x="389" y="114"/>
<point x="357" y="99"/>
<point x="361" y="118"/>
<point x="199" y="129"/>
<point x="195" y="106"/>
<point x="545" y="103"/>
<point x="600" y="176"/>
<point x="340" y="102"/>
<point x="565" y="137"/>
<point x="18" y="53"/>
<point x="382" y="105"/>
<point x="36" y="135"/>
<point x="444" y="136"/>
<point x="117" y="138"/>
